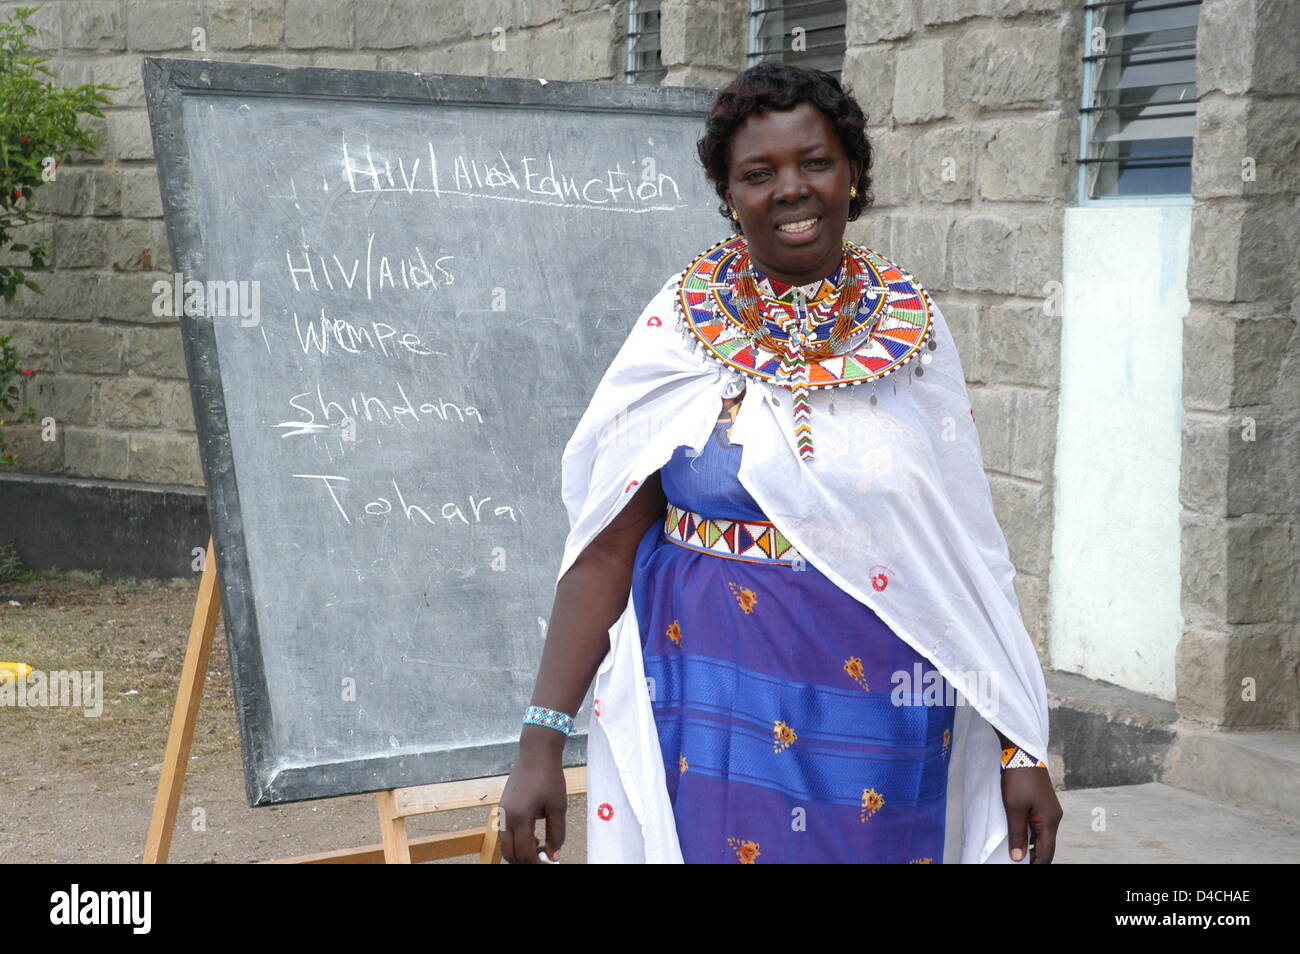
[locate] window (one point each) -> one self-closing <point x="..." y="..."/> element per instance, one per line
<point x="1138" y="119"/>
<point x="644" y="65"/>
<point x="805" y="32"/>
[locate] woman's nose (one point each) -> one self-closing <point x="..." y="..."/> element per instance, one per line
<point x="791" y="185"/>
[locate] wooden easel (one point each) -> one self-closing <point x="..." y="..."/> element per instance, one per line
<point x="395" y="805"/>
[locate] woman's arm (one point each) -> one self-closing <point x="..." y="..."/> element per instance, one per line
<point x="589" y="599"/>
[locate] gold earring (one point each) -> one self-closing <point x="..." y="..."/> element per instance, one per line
<point x="735" y="215"/>
<point x="853" y="192"/>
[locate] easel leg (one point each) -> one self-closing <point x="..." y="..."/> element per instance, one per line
<point x="185" y="714"/>
<point x="491" y="853"/>
<point x="392" y="829"/>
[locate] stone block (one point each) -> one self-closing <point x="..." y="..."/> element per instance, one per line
<point x="1021" y="345"/>
<point x="943" y="163"/>
<point x="68" y="398"/>
<point x="1247" y="46"/>
<point x="36" y="342"/>
<point x="129" y="134"/>
<point x="1233" y="679"/>
<point x="130" y="296"/>
<point x="919" y="243"/>
<point x="98" y="243"/>
<point x="995" y="422"/>
<point x="316" y="24"/>
<point x="868" y="73"/>
<point x="1034" y="449"/>
<point x="394" y="24"/>
<point x="122" y="72"/>
<point x="161" y="25"/>
<point x="962" y="319"/>
<point x="870" y="21"/>
<point x="346" y="61"/>
<point x="90" y="348"/>
<point x="1010" y="66"/>
<point x="1023" y="160"/>
<point x="94" y="453"/>
<point x="245" y="24"/>
<point x="177" y="405"/>
<point x="155" y="352"/>
<point x="1024" y="512"/>
<point x="141" y="196"/>
<point x="921" y="83"/>
<point x="1011" y="254"/>
<point x="165" y="460"/>
<point x="128" y="402"/>
<point x="64" y="295"/>
<point x="92" y="25"/>
<point x="892" y="166"/>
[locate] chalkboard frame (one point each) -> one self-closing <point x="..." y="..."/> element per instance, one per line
<point x="167" y="81"/>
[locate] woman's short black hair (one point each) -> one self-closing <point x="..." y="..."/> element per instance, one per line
<point x="780" y="86"/>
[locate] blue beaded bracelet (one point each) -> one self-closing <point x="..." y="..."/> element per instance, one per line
<point x="551" y="718"/>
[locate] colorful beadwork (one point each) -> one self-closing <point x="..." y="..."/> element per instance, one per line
<point x="756" y="541"/>
<point x="1016" y="757"/>
<point x="794" y="349"/>
<point x="551" y="718"/>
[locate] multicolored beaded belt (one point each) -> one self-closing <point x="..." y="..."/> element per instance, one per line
<point x="755" y="541"/>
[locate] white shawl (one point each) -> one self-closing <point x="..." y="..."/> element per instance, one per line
<point x="896" y="489"/>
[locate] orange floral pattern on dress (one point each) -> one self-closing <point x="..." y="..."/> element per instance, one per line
<point x="675" y="632"/>
<point x="783" y="736"/>
<point x="853" y="666"/>
<point x="681" y="762"/>
<point x="747" y="598"/>
<point x="746" y="851"/>
<point x="947" y="738"/>
<point x="872" y="802"/>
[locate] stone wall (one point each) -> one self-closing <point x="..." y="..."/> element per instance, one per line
<point x="973" y="107"/>
<point x="1239" y="658"/>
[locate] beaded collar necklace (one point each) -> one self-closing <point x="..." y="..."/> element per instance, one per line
<point x="864" y="321"/>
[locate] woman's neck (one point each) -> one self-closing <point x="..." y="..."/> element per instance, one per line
<point x="783" y="281"/>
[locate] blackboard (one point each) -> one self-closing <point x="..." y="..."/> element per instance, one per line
<point x="409" y="286"/>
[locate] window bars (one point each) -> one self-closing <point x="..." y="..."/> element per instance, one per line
<point x="1138" y="119"/>
<point x="806" y="32"/>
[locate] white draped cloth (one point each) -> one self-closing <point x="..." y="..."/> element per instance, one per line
<point x="897" y="487"/>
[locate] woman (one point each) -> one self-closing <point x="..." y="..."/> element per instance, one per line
<point x="794" y="577"/>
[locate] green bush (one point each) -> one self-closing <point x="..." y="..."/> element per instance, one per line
<point x="38" y="132"/>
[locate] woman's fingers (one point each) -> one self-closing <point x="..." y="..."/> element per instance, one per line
<point x="1017" y="832"/>
<point x="555" y="828"/>
<point x="1045" y="823"/>
<point x="519" y="836"/>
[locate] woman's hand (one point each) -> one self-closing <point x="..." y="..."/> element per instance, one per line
<point x="1030" y="801"/>
<point x="536" y="789"/>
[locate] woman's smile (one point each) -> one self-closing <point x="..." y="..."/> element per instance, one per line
<point x="802" y="231"/>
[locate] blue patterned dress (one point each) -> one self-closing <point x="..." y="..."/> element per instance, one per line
<point x="772" y="695"/>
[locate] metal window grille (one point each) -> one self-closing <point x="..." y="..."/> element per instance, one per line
<point x="1138" y="119"/>
<point x="644" y="64"/>
<point x="805" y="32"/>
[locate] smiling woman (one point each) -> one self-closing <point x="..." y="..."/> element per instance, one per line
<point x="786" y="626"/>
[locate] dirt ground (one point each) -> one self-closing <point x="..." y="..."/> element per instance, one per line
<point x="79" y="788"/>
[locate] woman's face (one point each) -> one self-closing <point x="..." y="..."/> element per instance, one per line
<point x="783" y="167"/>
